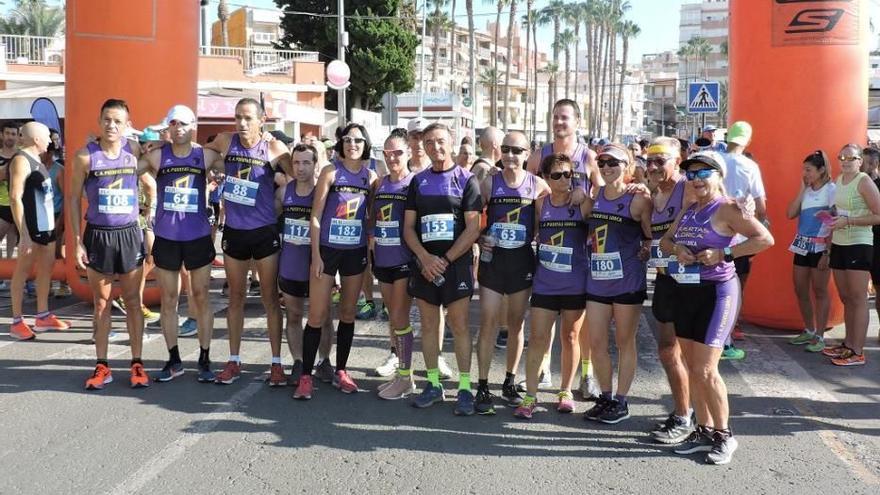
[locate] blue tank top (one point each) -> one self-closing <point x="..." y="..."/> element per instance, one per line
<point x="511" y="211"/>
<point x="111" y="188"/>
<point x="696" y="232"/>
<point x="615" y="267"/>
<point x="296" y="250"/>
<point x="342" y="222"/>
<point x="181" y="213"/>
<point x="249" y="187"/>
<point x="388" y="210"/>
<point x="661" y="221"/>
<point x="57" y="195"/>
<point x="580" y="159"/>
<point x="562" y="251"/>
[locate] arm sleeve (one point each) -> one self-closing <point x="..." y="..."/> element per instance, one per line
<point x="471" y="199"/>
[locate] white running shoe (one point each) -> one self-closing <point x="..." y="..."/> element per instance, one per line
<point x="389" y="367"/>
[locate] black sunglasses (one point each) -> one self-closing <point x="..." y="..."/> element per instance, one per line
<point x="516" y="150"/>
<point x="559" y="175"/>
<point x="608" y="163"/>
<point x="657" y="161"/>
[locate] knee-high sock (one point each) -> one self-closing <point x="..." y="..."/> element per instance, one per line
<point x="344" y="339"/>
<point x="311" y="342"/>
<point x="405" y="343"/>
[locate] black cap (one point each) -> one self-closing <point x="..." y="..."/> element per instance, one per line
<point x="712" y="159"/>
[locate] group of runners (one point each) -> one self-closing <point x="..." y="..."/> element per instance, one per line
<point x="562" y="236"/>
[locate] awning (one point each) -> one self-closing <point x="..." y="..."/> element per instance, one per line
<point x="16" y="103"/>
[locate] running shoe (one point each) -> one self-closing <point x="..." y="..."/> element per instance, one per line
<point x="229" y="373"/>
<point x="732" y="353"/>
<point x="464" y="403"/>
<point x="304" y="389"/>
<point x="50" y="322"/>
<point x="674" y="431"/>
<point x="389" y="367"/>
<point x="589" y="388"/>
<point x="254" y="289"/>
<point x="4" y="286"/>
<point x="545" y="381"/>
<point x="342" y="380"/>
<point x="277" y="378"/>
<point x="834" y="352"/>
<point x="115" y="337"/>
<point x="188" y="328"/>
<point x="335" y="294"/>
<point x="593" y="413"/>
<point x="615" y="413"/>
<point x="484" y="402"/>
<point x="366" y="311"/>
<point x="382" y="386"/>
<point x="399" y="388"/>
<point x="217" y="263"/>
<point x="30" y="288"/>
<point x="21" y="331"/>
<point x="100" y="377"/>
<point x="723" y="447"/>
<point x="295" y="373"/>
<point x="384" y="314"/>
<point x="817" y="345"/>
<point x="446" y="372"/>
<point x="169" y="372"/>
<point x="564" y="402"/>
<point x="805" y="337"/>
<point x="139" y="377"/>
<point x="737" y="333"/>
<point x="325" y="371"/>
<point x="206" y="374"/>
<point x="700" y="440"/>
<point x="508" y="391"/>
<point x="501" y="340"/>
<point x="63" y="290"/>
<point x="849" y="358"/>
<point x="429" y="396"/>
<point x="526" y="409"/>
<point x="119" y="304"/>
<point x="150" y="317"/>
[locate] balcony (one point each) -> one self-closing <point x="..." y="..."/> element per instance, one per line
<point x="256" y="61"/>
<point x="32" y="50"/>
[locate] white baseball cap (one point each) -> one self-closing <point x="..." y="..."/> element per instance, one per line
<point x="417" y="124"/>
<point x="180" y="113"/>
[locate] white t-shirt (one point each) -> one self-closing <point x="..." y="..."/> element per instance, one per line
<point x="742" y="177"/>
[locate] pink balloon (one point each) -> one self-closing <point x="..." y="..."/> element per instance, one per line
<point x="338" y="73"/>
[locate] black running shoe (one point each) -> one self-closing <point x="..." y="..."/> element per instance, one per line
<point x="508" y="391"/>
<point x="615" y="412"/>
<point x="484" y="405"/>
<point x="597" y="410"/>
<point x="501" y="340"/>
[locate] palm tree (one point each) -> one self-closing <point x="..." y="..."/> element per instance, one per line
<point x="628" y="30"/>
<point x="701" y="49"/>
<point x="453" y="39"/>
<point x="574" y="14"/>
<point x="552" y="14"/>
<point x="551" y="69"/>
<point x="223" y="15"/>
<point x="438" y="20"/>
<point x="472" y="67"/>
<point x="510" y="22"/>
<point x="490" y="78"/>
<point x="565" y="39"/>
<point x="588" y="15"/>
<point x="33" y="18"/>
<point x="527" y="23"/>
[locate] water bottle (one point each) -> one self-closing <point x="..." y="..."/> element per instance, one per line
<point x="486" y="254"/>
<point x="439" y="280"/>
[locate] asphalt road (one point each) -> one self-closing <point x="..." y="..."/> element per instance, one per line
<point x="804" y="426"/>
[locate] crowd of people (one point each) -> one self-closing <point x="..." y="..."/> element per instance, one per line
<point x="566" y="236"/>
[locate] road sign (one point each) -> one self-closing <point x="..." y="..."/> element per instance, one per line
<point x="704" y="97"/>
<point x="466" y="101"/>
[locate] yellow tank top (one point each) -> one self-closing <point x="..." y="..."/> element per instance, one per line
<point x="850" y="203"/>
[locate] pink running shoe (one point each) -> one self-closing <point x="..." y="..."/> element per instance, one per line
<point x="344" y="383"/>
<point x="565" y="402"/>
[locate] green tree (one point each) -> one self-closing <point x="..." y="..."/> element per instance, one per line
<point x="381" y="50"/>
<point x="490" y="79"/>
<point x="566" y="39"/>
<point x="510" y="23"/>
<point x="33" y="18"/>
<point x="628" y="30"/>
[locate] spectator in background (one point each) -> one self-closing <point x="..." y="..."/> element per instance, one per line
<point x="708" y="132"/>
<point x="870" y="162"/>
<point x="53" y="163"/>
<point x="466" y="156"/>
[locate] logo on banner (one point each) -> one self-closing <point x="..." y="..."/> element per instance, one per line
<point x="815" y="22"/>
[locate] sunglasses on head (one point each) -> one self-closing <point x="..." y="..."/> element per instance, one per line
<point x="516" y="150"/>
<point x="559" y="175"/>
<point x="657" y="161"/>
<point x="848" y="158"/>
<point x="355" y="140"/>
<point x="608" y="163"/>
<point x="702" y="174"/>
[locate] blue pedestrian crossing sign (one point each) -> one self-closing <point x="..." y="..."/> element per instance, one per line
<point x="704" y="97"/>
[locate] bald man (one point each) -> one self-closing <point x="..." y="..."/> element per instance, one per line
<point x="490" y="152"/>
<point x="32" y="203"/>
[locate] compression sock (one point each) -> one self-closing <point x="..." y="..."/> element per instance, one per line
<point x="344" y="339"/>
<point x="405" y="340"/>
<point x="311" y="342"/>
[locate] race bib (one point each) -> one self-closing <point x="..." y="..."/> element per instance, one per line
<point x="606" y="266"/>
<point x="684" y="274"/>
<point x="296" y="231"/>
<point x="657" y="259"/>
<point x="240" y="191"/>
<point x="181" y="199"/>
<point x="116" y="201"/>
<point x="509" y="235"/>
<point x="345" y="232"/>
<point x="802" y="245"/>
<point x="555" y="258"/>
<point x="387" y="233"/>
<point x="439" y="227"/>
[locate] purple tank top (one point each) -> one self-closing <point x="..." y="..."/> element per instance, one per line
<point x="388" y="209"/>
<point x="696" y="232"/>
<point x="661" y="221"/>
<point x="296" y="248"/>
<point x="111" y="188"/>
<point x="580" y="159"/>
<point x="511" y="211"/>
<point x="562" y="251"/>
<point x="181" y="214"/>
<point x="249" y="188"/>
<point x="342" y="223"/>
<point x="615" y="267"/>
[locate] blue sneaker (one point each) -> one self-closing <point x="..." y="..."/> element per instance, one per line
<point x="205" y="373"/>
<point x="366" y="311"/>
<point x="169" y="372"/>
<point x="464" y="405"/>
<point x="188" y="328"/>
<point x="429" y="396"/>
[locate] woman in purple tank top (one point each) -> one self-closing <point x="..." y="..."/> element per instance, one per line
<point x="338" y="242"/>
<point x="708" y="295"/>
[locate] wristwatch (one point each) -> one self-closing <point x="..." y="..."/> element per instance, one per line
<point x="728" y="254"/>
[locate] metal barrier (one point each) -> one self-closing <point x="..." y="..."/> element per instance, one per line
<point x="32" y="50"/>
<point x="262" y="60"/>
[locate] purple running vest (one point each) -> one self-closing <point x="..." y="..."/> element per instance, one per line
<point x="388" y="208"/>
<point x="562" y="251"/>
<point x="181" y="214"/>
<point x="615" y="267"/>
<point x="249" y="189"/>
<point x="296" y="247"/>
<point x="695" y="231"/>
<point x="661" y="221"/>
<point x="511" y="211"/>
<point x="342" y="223"/>
<point x="111" y="188"/>
<point x="579" y="159"/>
